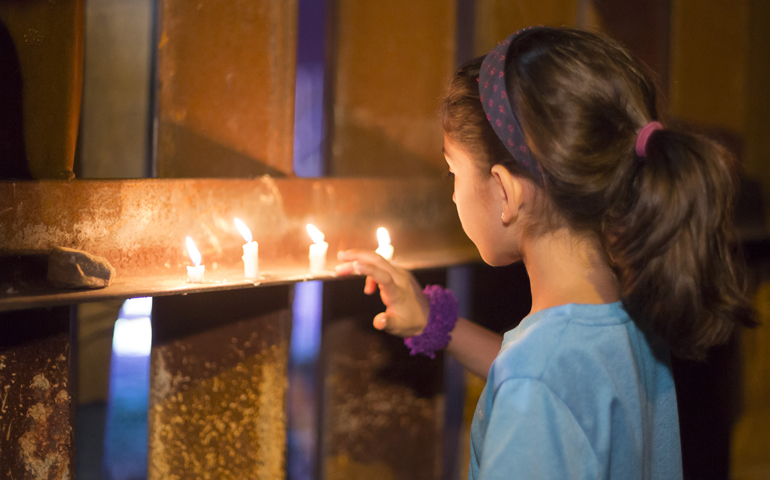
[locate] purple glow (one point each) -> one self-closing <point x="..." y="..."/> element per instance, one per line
<point x="306" y="329"/>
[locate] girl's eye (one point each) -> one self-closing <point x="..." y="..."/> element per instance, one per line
<point x="449" y="175"/>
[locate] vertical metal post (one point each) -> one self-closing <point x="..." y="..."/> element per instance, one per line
<point x="36" y="395"/>
<point x="218" y="384"/>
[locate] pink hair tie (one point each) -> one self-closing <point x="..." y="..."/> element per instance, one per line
<point x="644" y="136"/>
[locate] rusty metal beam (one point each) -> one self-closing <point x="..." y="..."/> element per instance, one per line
<point x="48" y="37"/>
<point x="225" y="99"/>
<point x="140" y="227"/>
<point x="36" y="395"/>
<point x="390" y="63"/>
<point x="218" y="385"/>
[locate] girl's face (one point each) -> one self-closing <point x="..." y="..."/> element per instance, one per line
<point x="479" y="197"/>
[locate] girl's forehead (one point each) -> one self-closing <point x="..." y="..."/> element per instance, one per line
<point x="450" y="147"/>
<point x="448" y="154"/>
<point x="452" y="150"/>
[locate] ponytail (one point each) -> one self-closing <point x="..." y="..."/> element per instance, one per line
<point x="669" y="235"/>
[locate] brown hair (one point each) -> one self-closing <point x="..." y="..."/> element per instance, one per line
<point x="664" y="220"/>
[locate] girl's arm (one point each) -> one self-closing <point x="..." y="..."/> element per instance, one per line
<point x="474" y="346"/>
<point x="406" y="310"/>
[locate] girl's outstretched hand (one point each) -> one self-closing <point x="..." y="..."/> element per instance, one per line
<point x="406" y="308"/>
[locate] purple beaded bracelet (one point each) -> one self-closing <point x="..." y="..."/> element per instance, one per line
<point x="441" y="321"/>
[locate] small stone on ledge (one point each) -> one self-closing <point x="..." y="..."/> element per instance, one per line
<point x="70" y="268"/>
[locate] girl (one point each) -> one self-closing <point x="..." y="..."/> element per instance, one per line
<point x="624" y="228"/>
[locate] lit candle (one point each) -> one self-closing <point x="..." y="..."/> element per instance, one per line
<point x="385" y="250"/>
<point x="194" y="274"/>
<point x="317" y="250"/>
<point x="250" y="251"/>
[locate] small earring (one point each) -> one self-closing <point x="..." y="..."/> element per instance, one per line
<point x="502" y="217"/>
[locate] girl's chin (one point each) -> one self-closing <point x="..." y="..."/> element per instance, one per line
<point x="499" y="259"/>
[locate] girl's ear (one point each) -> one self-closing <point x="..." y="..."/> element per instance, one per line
<point x="511" y="191"/>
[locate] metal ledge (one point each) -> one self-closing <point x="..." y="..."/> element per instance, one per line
<point x="140" y="227"/>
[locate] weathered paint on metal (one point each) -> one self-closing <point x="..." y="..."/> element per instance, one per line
<point x="48" y="37"/>
<point x="139" y="226"/>
<point x="218" y="385"/>
<point x="36" y="406"/>
<point x="225" y="99"/>
<point x="391" y="63"/>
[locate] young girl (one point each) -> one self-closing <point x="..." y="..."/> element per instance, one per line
<point x="624" y="228"/>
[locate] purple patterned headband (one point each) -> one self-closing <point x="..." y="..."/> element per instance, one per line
<point x="497" y="106"/>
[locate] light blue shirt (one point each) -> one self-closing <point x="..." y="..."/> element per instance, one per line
<point x="577" y="392"/>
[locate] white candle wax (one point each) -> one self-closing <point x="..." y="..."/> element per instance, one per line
<point x="250" y="251"/>
<point x="385" y="249"/>
<point x="195" y="274"/>
<point x="318" y="249"/>
<point x="251" y="260"/>
<point x="317" y="257"/>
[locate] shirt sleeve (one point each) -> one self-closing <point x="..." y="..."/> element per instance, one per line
<point x="532" y="434"/>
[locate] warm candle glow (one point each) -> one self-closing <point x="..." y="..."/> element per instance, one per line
<point x="316" y="235"/>
<point x="243" y="230"/>
<point x="194" y="274"/>
<point x="195" y="255"/>
<point x="383" y="238"/>
<point x="385" y="249"/>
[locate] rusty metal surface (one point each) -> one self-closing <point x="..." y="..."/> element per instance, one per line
<point x="225" y="101"/>
<point x="48" y="36"/>
<point x="383" y="409"/>
<point x="496" y="19"/>
<point x="36" y="406"/>
<point x="218" y="385"/>
<point x="140" y="227"/>
<point x="391" y="63"/>
<point x="378" y="426"/>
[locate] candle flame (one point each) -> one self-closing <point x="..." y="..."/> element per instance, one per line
<point x="243" y="230"/>
<point x="383" y="238"/>
<point x="195" y="255"/>
<point x="315" y="234"/>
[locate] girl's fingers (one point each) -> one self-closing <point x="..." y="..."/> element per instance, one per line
<point x="351" y="268"/>
<point x="380" y="321"/>
<point x="345" y="268"/>
<point x="383" y="278"/>
<point x="371" y="286"/>
<point x="367" y="257"/>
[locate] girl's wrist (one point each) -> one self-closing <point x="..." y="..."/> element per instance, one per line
<point x="442" y="318"/>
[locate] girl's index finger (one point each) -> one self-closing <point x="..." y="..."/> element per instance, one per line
<point x="383" y="278"/>
<point x="346" y="268"/>
<point x="367" y="257"/>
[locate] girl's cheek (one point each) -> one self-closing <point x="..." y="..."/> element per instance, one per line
<point x="469" y="220"/>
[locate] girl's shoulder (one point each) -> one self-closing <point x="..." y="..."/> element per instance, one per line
<point x="569" y="343"/>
